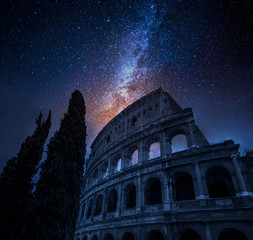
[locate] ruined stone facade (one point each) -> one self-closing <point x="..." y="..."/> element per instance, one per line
<point x="137" y="188"/>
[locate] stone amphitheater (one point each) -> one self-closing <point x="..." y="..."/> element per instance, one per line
<point x="152" y="175"/>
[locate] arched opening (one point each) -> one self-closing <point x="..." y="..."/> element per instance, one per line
<point x="179" y="143"/>
<point x="85" y="238"/>
<point x="130" y="196"/>
<point x="108" y="236"/>
<point x="95" y="176"/>
<point x="232" y="234"/>
<point x="116" y="164"/>
<point x="154" y="150"/>
<point x="104" y="169"/>
<point x="153" y="191"/>
<point x="134" y="158"/>
<point x="189" y="235"/>
<point x="89" y="208"/>
<point x="184" y="187"/>
<point x="99" y="203"/>
<point x="219" y="182"/>
<point x="128" y="236"/>
<point x="155" y="235"/>
<point x="112" y="201"/>
<point x="94" y="237"/>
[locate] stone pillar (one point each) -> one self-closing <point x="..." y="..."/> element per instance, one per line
<point x="104" y="203"/>
<point x="199" y="182"/>
<point x="139" y="195"/>
<point x="166" y="200"/>
<point x="239" y="175"/>
<point x="142" y="153"/>
<point x="191" y="135"/>
<point x="208" y="232"/>
<point x="120" y="200"/>
<point x="165" y="145"/>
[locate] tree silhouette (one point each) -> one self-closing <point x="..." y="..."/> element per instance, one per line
<point x="16" y="178"/>
<point x="57" y="194"/>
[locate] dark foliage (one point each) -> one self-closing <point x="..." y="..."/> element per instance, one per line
<point x="16" y="179"/>
<point x="58" y="190"/>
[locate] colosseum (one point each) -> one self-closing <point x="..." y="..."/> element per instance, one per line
<point x="152" y="175"/>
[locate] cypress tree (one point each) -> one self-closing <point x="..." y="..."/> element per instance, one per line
<point x="58" y="190"/>
<point x="16" y="178"/>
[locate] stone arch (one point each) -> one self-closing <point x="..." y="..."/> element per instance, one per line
<point x="189" y="234"/>
<point x="179" y="143"/>
<point x="152" y="146"/>
<point x="99" y="204"/>
<point x="116" y="164"/>
<point x="232" y="234"/>
<point x="103" y="170"/>
<point x="89" y="208"/>
<point x="131" y="156"/>
<point x="219" y="182"/>
<point x="95" y="175"/>
<point x="130" y="196"/>
<point x="155" y="235"/>
<point x="184" y="189"/>
<point x="108" y="236"/>
<point x="112" y="199"/>
<point x="94" y="237"/>
<point x="153" y="191"/>
<point x="128" y="236"/>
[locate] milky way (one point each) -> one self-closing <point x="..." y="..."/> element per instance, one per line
<point x="115" y="52"/>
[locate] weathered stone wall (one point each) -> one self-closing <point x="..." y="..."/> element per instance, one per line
<point x="135" y="187"/>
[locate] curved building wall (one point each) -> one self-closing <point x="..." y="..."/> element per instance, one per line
<point x="135" y="187"/>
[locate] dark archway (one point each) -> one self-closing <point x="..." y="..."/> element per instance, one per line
<point x="94" y="237"/>
<point x="232" y="234"/>
<point x="184" y="187"/>
<point x="89" y="209"/>
<point x="153" y="191"/>
<point x="155" y="235"/>
<point x="189" y="235"/>
<point x="99" y="203"/>
<point x="108" y="236"/>
<point x="130" y="196"/>
<point x="219" y="182"/>
<point x="112" y="201"/>
<point x="128" y="236"/>
<point x="85" y="238"/>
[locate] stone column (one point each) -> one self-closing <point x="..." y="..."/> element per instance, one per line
<point x="239" y="175"/>
<point x="165" y="145"/>
<point x="142" y="153"/>
<point x="191" y="135"/>
<point x="166" y="200"/>
<point x="199" y="182"/>
<point x="119" y="204"/>
<point x="138" y="195"/>
<point x="208" y="232"/>
<point x="104" y="203"/>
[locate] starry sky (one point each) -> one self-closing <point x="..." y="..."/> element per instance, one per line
<point x="115" y="52"/>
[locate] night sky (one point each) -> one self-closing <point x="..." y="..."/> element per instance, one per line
<point x="115" y="52"/>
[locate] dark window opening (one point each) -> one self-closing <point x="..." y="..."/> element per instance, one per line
<point x="184" y="188"/>
<point x="108" y="236"/>
<point x="155" y="235"/>
<point x="128" y="236"/>
<point x="130" y="194"/>
<point x="112" y="201"/>
<point x="134" y="121"/>
<point x="85" y="238"/>
<point x="94" y="237"/>
<point x="232" y="234"/>
<point x="99" y="203"/>
<point x="153" y="192"/>
<point x="108" y="138"/>
<point x="219" y="182"/>
<point x="189" y="235"/>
